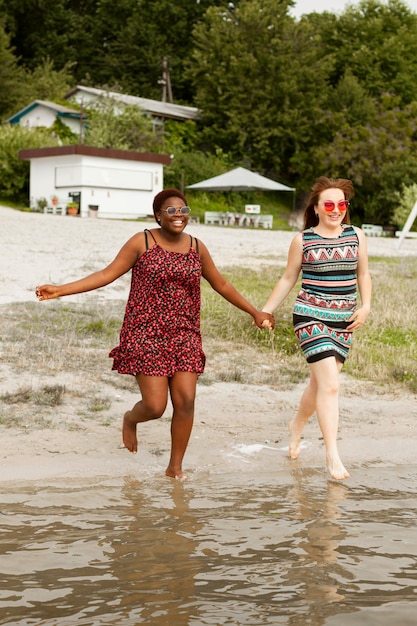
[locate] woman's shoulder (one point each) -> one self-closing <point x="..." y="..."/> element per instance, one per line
<point x="350" y="229"/>
<point x="297" y="242"/>
<point x="138" y="241"/>
<point x="359" y="233"/>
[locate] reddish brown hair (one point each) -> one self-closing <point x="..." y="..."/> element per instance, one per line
<point x="321" y="184"/>
<point x="163" y="195"/>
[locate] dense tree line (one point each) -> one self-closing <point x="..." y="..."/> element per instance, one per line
<point x="290" y="98"/>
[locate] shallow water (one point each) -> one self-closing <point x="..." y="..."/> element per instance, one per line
<point x="237" y="548"/>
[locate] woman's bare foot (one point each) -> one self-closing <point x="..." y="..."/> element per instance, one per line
<point x="335" y="467"/>
<point x="295" y="441"/>
<point x="129" y="433"/>
<point x="178" y="475"/>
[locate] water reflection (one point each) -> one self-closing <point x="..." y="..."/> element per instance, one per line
<point x="280" y="557"/>
<point x="152" y="555"/>
<point x="244" y="549"/>
<point x="318" y="571"/>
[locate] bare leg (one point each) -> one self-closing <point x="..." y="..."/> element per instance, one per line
<point x="182" y="388"/>
<point x="326" y="374"/>
<point x="305" y="411"/>
<point x="154" y="391"/>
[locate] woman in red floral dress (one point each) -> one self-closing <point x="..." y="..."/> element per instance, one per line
<point x="160" y="340"/>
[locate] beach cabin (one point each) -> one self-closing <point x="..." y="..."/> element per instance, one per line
<point x="100" y="182"/>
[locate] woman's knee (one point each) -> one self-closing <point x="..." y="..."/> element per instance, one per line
<point x="182" y="390"/>
<point x="153" y="408"/>
<point x="184" y="404"/>
<point x="329" y="387"/>
<point x="154" y="392"/>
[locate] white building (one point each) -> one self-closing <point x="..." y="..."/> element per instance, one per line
<point x="158" y="110"/>
<point x="44" y="113"/>
<point x="104" y="182"/>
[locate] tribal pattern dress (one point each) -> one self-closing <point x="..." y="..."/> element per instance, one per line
<point x="328" y="294"/>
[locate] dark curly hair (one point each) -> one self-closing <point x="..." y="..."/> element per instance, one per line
<point x="321" y="184"/>
<point x="163" y="195"/>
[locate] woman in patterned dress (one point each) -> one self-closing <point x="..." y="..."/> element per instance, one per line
<point x="160" y="341"/>
<point x="332" y="256"/>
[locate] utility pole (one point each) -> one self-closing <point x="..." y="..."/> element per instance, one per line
<point x="165" y="81"/>
<point x="80" y="136"/>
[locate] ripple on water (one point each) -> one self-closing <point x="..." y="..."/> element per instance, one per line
<point x="223" y="548"/>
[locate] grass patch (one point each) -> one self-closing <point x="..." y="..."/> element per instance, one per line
<point x="220" y="320"/>
<point x="12" y="204"/>
<point x="48" y="395"/>
<point x="384" y="350"/>
<point x="99" y="403"/>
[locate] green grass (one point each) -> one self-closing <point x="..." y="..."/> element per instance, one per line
<point x="19" y="206"/>
<point x="383" y="351"/>
<point x="45" y="338"/>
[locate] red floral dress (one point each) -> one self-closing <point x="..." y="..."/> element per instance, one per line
<point x="160" y="334"/>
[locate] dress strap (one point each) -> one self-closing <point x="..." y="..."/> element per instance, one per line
<point x="196" y="244"/>
<point x="146" y="231"/>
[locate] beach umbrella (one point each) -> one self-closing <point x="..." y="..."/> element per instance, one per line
<point x="240" y="179"/>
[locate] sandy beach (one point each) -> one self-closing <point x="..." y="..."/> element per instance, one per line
<point x="237" y="426"/>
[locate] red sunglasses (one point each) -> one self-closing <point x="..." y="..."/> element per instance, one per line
<point x="343" y="205"/>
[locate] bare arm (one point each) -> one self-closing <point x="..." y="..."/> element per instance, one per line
<point x="364" y="284"/>
<point x="289" y="277"/>
<point x="123" y="262"/>
<point x="229" y="293"/>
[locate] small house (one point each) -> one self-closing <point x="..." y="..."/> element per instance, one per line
<point x="44" y="113"/>
<point x="158" y="110"/>
<point x="103" y="182"/>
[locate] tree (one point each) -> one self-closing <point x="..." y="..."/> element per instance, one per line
<point x="260" y="81"/>
<point x="13" y="78"/>
<point x="406" y="199"/>
<point x="379" y="156"/>
<point x="377" y="42"/>
<point x="191" y="166"/>
<point x="136" y="38"/>
<point x="60" y="30"/>
<point x="120" y="48"/>
<point x="47" y="83"/>
<point x="14" y="173"/>
<point x="111" y="124"/>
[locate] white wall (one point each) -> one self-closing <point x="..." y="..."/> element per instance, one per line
<point x="39" y="116"/>
<point x="42" y="116"/>
<point x="136" y="183"/>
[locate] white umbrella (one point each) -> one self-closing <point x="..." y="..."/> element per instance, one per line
<point x="240" y="179"/>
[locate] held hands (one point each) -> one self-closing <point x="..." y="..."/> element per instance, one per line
<point x="264" y="320"/>
<point x="358" y="319"/>
<point x="46" y="292"/>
